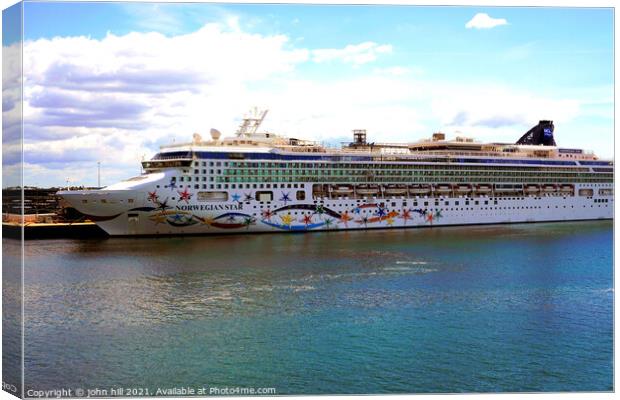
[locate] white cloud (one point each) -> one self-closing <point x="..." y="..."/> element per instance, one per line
<point x="499" y="107"/>
<point x="396" y="108"/>
<point x="354" y="54"/>
<point x="118" y="98"/>
<point x="11" y="115"/>
<point x="484" y="21"/>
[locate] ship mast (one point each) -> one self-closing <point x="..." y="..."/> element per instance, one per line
<point x="251" y="122"/>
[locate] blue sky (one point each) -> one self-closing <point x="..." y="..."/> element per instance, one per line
<point x="535" y="41"/>
<point x="401" y="71"/>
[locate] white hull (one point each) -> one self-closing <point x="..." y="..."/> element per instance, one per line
<point x="185" y="217"/>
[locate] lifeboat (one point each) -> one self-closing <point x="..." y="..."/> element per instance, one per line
<point x="463" y="189"/>
<point x="396" y="189"/>
<point x="366" y="190"/>
<point x="419" y="189"/>
<point x="567" y="188"/>
<point x="549" y="188"/>
<point x="532" y="188"/>
<point x="482" y="188"/>
<point x="443" y="189"/>
<point x="342" y="189"/>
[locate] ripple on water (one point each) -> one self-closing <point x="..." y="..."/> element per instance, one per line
<point x="412" y="262"/>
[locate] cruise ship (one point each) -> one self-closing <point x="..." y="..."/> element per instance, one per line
<point x="257" y="181"/>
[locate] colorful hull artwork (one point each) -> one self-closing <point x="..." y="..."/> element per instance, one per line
<point x="181" y="218"/>
<point x="311" y="217"/>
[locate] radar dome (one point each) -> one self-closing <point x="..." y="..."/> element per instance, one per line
<point x="197" y="138"/>
<point x="215" y="134"/>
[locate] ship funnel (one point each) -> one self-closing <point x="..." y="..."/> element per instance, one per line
<point x="541" y="134"/>
<point x="215" y="134"/>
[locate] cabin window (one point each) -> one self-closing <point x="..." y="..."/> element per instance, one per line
<point x="104" y="201"/>
<point x="129" y="200"/>
<point x="301" y="195"/>
<point x="84" y="201"/>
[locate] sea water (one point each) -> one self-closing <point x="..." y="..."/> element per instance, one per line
<point x="506" y="308"/>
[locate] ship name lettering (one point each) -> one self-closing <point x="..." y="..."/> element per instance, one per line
<point x="210" y="207"/>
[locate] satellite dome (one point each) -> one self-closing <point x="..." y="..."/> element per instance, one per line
<point x="215" y="134"/>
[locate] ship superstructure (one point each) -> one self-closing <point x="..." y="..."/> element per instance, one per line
<point x="258" y="181"/>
